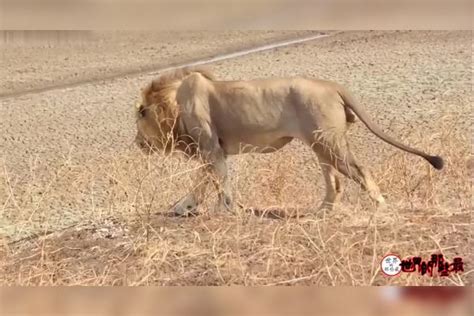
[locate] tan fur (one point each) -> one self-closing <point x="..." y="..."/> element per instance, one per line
<point x="190" y="111"/>
<point x="159" y="99"/>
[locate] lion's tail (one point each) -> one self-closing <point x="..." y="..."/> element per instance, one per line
<point x="435" y="161"/>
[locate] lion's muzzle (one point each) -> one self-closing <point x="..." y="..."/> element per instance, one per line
<point x="143" y="144"/>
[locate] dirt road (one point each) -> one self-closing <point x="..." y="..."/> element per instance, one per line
<point x="68" y="159"/>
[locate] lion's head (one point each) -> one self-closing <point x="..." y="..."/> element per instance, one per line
<point x="158" y="112"/>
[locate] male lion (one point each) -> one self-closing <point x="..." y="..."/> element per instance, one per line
<point x="190" y="111"/>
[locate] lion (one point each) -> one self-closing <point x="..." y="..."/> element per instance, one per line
<point x="188" y="110"/>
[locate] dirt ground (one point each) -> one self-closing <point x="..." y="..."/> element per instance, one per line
<point x="81" y="205"/>
<point x="65" y="57"/>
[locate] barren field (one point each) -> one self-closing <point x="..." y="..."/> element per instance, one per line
<point x="80" y="205"/>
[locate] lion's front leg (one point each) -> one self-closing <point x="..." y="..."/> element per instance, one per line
<point x="188" y="205"/>
<point x="210" y="152"/>
<point x="216" y="173"/>
<point x="219" y="168"/>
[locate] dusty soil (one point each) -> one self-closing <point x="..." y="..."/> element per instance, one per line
<point x="66" y="57"/>
<point x="81" y="205"/>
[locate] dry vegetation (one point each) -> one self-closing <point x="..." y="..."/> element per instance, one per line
<point x="122" y="234"/>
<point x="133" y="241"/>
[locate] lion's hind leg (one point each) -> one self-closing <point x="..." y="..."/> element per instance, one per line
<point x="350" y="168"/>
<point x="339" y="156"/>
<point x="334" y="186"/>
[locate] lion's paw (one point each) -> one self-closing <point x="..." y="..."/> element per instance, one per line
<point x="185" y="207"/>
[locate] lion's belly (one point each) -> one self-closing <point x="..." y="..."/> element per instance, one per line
<point x="256" y="127"/>
<point x="265" y="143"/>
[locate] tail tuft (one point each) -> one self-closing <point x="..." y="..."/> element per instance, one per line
<point x="436" y="161"/>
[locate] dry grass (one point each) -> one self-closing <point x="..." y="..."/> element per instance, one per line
<point x="113" y="229"/>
